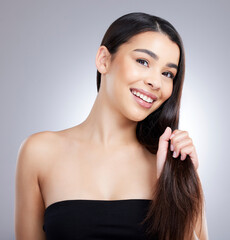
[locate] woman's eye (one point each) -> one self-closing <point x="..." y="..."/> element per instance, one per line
<point x="168" y="75"/>
<point x="143" y="62"/>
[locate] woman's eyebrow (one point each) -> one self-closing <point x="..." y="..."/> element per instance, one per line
<point x="172" y="65"/>
<point x="150" y="53"/>
<point x="154" y="56"/>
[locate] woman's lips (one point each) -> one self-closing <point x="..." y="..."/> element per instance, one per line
<point x="148" y="94"/>
<point x="142" y="102"/>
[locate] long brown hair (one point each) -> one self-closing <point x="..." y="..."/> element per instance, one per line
<point x="177" y="199"/>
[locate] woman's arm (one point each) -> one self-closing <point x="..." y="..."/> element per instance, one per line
<point x="29" y="206"/>
<point x="201" y="229"/>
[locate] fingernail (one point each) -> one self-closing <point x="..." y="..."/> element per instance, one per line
<point x="172" y="136"/>
<point x="174" y="154"/>
<point x="171" y="147"/>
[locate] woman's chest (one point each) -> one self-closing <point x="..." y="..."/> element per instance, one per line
<point x="99" y="175"/>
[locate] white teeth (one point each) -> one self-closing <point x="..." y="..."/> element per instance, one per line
<point x="143" y="97"/>
<point x="149" y="99"/>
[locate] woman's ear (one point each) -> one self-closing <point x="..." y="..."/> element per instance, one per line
<point x="102" y="59"/>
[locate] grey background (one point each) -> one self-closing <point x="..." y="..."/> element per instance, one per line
<point x="48" y="82"/>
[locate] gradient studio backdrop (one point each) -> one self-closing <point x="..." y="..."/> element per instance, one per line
<point x="48" y="82"/>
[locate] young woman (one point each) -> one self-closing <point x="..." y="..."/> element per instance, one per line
<point x="127" y="171"/>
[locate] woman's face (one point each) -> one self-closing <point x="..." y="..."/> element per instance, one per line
<point x="140" y="76"/>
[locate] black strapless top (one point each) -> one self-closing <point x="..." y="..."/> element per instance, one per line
<point x="96" y="220"/>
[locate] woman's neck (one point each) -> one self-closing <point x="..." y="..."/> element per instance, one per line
<point x="106" y="126"/>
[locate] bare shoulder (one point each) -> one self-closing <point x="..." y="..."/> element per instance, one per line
<point x="38" y="148"/>
<point x="35" y="153"/>
<point x="40" y="143"/>
<point x="42" y="149"/>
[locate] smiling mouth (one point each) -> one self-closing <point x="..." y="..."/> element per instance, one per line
<point x="142" y="96"/>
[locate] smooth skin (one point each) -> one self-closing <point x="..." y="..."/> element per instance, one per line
<point x="101" y="157"/>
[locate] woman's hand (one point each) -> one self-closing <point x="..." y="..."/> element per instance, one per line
<point x="181" y="144"/>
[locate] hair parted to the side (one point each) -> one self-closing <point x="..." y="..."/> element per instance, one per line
<point x="178" y="197"/>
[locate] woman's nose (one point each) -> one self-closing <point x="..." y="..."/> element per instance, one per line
<point x="154" y="82"/>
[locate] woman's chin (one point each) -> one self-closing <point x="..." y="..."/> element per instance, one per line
<point x="136" y="114"/>
<point x="137" y="117"/>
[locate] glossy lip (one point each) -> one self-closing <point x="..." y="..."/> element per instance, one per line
<point x="142" y="102"/>
<point x="145" y="93"/>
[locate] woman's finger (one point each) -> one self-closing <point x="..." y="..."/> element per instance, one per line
<point x="191" y="151"/>
<point x="179" y="145"/>
<point x="178" y="135"/>
<point x="163" y="149"/>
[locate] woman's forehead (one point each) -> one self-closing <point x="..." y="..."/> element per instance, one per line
<point x="150" y="38"/>
<point x="153" y="42"/>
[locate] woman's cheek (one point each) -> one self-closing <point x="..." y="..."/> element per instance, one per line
<point x="168" y="91"/>
<point x="131" y="73"/>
